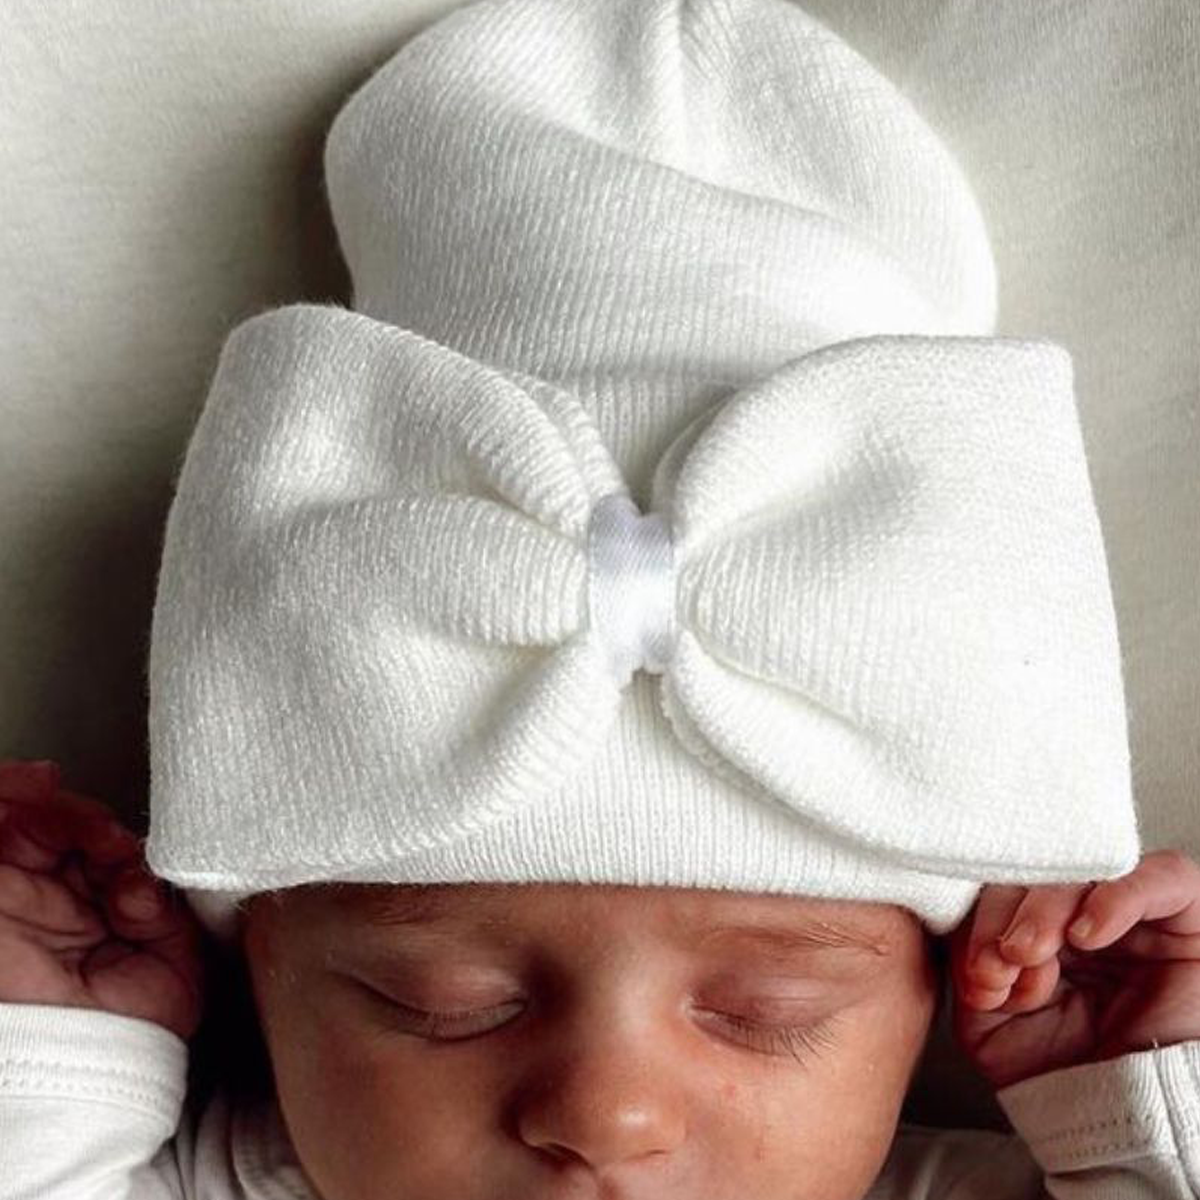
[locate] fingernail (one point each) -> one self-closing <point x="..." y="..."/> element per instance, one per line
<point x="1021" y="936"/>
<point x="1081" y="927"/>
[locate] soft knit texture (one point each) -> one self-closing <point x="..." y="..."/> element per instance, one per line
<point x="703" y="260"/>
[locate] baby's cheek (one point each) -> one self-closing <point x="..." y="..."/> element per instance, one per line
<point x="872" y="1083"/>
<point x="370" y="1117"/>
<point x="830" y="1118"/>
<point x="829" y="1121"/>
<point x="882" y="1039"/>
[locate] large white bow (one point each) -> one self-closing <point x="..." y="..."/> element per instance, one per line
<point x="872" y="585"/>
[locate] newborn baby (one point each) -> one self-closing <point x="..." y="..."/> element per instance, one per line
<point x="592" y="674"/>
<point x="497" y="1042"/>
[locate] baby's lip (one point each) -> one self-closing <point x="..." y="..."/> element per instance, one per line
<point x="582" y="1183"/>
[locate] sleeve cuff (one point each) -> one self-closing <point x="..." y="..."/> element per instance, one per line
<point x="1095" y="1114"/>
<point x="89" y="1055"/>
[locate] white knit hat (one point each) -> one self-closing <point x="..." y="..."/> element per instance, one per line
<point x="670" y="349"/>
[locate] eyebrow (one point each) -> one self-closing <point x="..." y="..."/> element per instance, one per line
<point x="419" y="905"/>
<point x="800" y="939"/>
<point x="410" y="904"/>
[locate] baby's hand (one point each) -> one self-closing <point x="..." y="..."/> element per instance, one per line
<point x="83" y="923"/>
<point x="1023" y="1007"/>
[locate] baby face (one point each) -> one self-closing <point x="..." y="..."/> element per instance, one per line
<point x="569" y="1042"/>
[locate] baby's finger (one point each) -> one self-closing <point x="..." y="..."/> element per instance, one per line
<point x="143" y="908"/>
<point x="83" y="846"/>
<point x="71" y="875"/>
<point x="45" y="904"/>
<point x="1037" y="930"/>
<point x="28" y="781"/>
<point x="978" y="965"/>
<point x="984" y="999"/>
<point x="1164" y="887"/>
<point x="146" y="911"/>
<point x="138" y="904"/>
<point x="36" y="836"/>
<point x="1034" y="988"/>
<point x="33" y="837"/>
<point x="1145" y="941"/>
<point x="18" y="847"/>
<point x="98" y="831"/>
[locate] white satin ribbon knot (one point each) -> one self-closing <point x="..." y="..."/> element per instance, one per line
<point x="631" y="586"/>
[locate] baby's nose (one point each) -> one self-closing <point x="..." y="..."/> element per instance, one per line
<point x="601" y="1114"/>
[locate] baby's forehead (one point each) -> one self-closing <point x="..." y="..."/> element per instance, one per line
<point x="692" y="912"/>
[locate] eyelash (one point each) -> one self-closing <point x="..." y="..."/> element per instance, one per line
<point x="432" y="1022"/>
<point x="800" y="1041"/>
<point x="797" y="1040"/>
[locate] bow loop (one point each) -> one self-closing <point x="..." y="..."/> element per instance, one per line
<point x="892" y="568"/>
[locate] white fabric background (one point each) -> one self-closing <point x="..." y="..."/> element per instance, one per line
<point x="160" y="180"/>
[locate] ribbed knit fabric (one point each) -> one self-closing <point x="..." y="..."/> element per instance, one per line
<point x="671" y="350"/>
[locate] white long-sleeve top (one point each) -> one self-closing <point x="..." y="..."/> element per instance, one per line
<point x="94" y="1107"/>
